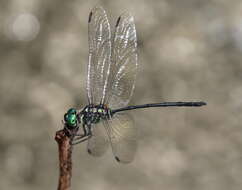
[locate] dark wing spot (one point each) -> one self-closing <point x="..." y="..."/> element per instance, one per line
<point x="117" y="158"/>
<point x="117" y="23"/>
<point x="90" y="17"/>
<point x="89" y="151"/>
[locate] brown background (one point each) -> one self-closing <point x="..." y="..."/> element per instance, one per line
<point x="188" y="50"/>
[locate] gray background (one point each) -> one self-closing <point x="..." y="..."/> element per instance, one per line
<point x="188" y="50"/>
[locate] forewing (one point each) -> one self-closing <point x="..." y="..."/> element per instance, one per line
<point x="98" y="144"/>
<point x="123" y="137"/>
<point x="99" y="38"/>
<point x="124" y="62"/>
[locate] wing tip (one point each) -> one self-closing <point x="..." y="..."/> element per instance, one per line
<point x="123" y="161"/>
<point x="117" y="23"/>
<point x="127" y="16"/>
<point x="90" y="17"/>
<point x="94" y="10"/>
<point x="117" y="158"/>
<point x="89" y="151"/>
<point x="98" y="8"/>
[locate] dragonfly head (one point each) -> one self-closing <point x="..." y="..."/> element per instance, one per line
<point x="70" y="118"/>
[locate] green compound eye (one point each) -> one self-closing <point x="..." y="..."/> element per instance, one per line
<point x="71" y="111"/>
<point x="70" y="117"/>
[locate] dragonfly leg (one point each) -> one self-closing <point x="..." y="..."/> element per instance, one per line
<point x="85" y="132"/>
<point x="69" y="132"/>
<point x="82" y="137"/>
<point x="79" y="140"/>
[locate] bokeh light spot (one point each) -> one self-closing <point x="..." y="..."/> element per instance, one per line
<point x="24" y="27"/>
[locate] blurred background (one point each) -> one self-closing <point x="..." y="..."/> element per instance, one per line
<point x="188" y="51"/>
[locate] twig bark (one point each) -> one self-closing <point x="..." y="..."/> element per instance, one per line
<point x="65" y="160"/>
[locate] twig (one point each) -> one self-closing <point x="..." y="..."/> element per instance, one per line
<point x="65" y="160"/>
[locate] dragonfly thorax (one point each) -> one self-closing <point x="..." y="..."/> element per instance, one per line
<point x="92" y="114"/>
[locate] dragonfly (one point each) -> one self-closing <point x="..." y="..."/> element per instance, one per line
<point x="111" y="74"/>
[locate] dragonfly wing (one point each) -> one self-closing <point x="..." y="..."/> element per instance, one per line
<point x="98" y="144"/>
<point x="124" y="62"/>
<point x="123" y="137"/>
<point x="99" y="38"/>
